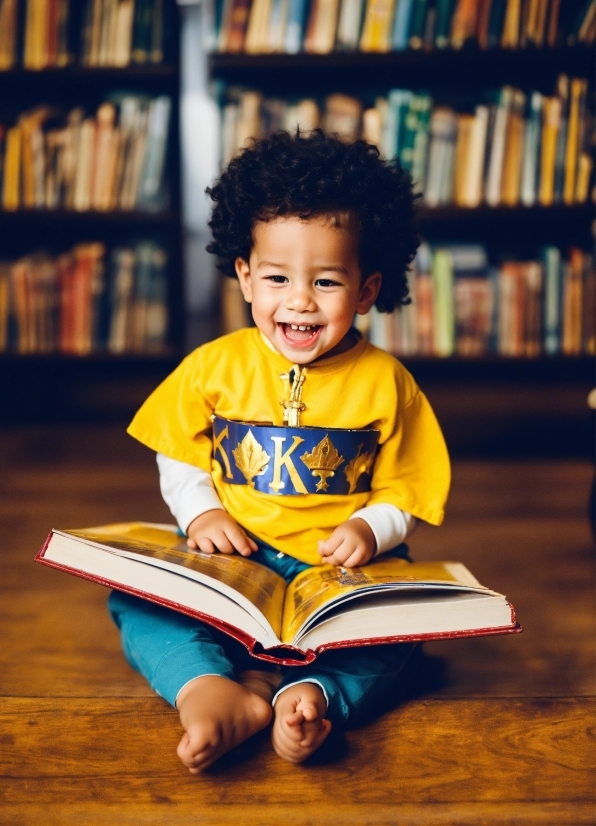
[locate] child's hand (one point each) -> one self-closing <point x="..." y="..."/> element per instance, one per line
<point x="351" y="544"/>
<point x="215" y="530"/>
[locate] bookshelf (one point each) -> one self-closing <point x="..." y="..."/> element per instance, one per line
<point x="457" y="78"/>
<point x="97" y="384"/>
<point x="55" y="230"/>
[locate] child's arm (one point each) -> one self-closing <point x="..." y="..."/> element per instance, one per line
<point x="189" y="493"/>
<point x="369" y="532"/>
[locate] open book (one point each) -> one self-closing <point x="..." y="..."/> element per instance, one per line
<point x="388" y="600"/>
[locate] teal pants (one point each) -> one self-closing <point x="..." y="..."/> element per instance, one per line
<point x="170" y="649"/>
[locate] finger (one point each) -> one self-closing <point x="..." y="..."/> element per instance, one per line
<point x="206" y="545"/>
<point x="329" y="546"/>
<point x="355" y="559"/>
<point x="223" y="544"/>
<point x="295" y="718"/>
<point x="239" y="540"/>
<point x="343" y="552"/>
<point x="191" y="543"/>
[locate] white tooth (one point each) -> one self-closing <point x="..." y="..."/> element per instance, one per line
<point x="302" y="328"/>
<point x="294" y="326"/>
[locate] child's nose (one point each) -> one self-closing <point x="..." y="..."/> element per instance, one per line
<point x="301" y="300"/>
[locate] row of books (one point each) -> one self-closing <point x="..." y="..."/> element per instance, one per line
<point x="461" y="305"/>
<point x="112" y="160"/>
<point x="512" y="148"/>
<point x="39" y="34"/>
<point x="322" y="26"/>
<point x="85" y="301"/>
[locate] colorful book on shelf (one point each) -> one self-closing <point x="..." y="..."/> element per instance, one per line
<point x="573" y="283"/>
<point x="417" y="21"/>
<point x="350" y="24"/>
<point x="322" y="26"/>
<point x="551" y="123"/>
<point x="531" y="151"/>
<point x="474" y="299"/>
<point x="401" y="24"/>
<point x="388" y="601"/>
<point x="463" y="27"/>
<point x="376" y="30"/>
<point x="258" y="27"/>
<point x="8" y="33"/>
<point x="297" y="11"/>
<point x="234" y="25"/>
<point x="443" y="303"/>
<point x="513" y="150"/>
<point x="551" y="260"/>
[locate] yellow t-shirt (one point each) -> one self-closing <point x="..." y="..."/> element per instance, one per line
<point x="237" y="377"/>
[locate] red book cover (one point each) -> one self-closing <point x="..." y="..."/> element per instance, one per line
<point x="290" y="625"/>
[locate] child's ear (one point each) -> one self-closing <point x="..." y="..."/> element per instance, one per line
<point x="369" y="292"/>
<point x="243" y="273"/>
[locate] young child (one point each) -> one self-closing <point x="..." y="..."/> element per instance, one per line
<point x="316" y="231"/>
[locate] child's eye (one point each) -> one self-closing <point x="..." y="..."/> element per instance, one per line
<point x="277" y="279"/>
<point x="327" y="282"/>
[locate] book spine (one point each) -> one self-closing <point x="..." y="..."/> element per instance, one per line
<point x="531" y="152"/>
<point x="495" y="169"/>
<point x="416" y="34"/>
<point x="8" y="34"/>
<point x="376" y="32"/>
<point x="295" y="26"/>
<point x="551" y="122"/>
<point x="552" y="300"/>
<point x="589" y="306"/>
<point x="11" y="195"/>
<point x="571" y="339"/>
<point x="445" y="10"/>
<point x="443" y="309"/>
<point x="141" y="35"/>
<point x="350" y="24"/>
<point x="402" y="24"/>
<point x="152" y="177"/>
<point x="496" y="22"/>
<point x="472" y="193"/>
<point x="510" y="39"/>
<point x="510" y="180"/>
<point x="578" y="91"/>
<point x="463" y="27"/>
<point x="483" y="23"/>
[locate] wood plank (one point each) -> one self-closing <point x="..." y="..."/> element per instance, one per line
<point x="307" y="814"/>
<point x="109" y="752"/>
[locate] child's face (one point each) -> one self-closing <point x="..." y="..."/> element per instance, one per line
<point x="305" y="274"/>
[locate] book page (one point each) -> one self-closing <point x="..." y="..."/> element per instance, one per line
<point x="234" y="575"/>
<point x="316" y="588"/>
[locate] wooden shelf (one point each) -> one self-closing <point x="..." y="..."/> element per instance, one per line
<point x="414" y="69"/>
<point x="520" y="228"/>
<point x="102" y="74"/>
<point x="90" y="217"/>
<point x="494" y="368"/>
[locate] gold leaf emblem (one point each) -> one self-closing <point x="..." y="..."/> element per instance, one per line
<point x="361" y="463"/>
<point x="323" y="461"/>
<point x="251" y="459"/>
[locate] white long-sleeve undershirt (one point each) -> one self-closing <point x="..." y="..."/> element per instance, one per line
<point x="188" y="491"/>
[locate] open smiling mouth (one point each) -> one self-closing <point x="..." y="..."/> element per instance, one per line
<point x="300" y="334"/>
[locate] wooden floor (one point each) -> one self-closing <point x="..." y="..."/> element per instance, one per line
<point x="498" y="730"/>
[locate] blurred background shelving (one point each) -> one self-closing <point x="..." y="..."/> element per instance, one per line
<point x="460" y="79"/>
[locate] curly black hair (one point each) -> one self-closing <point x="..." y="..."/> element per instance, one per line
<point x="318" y="175"/>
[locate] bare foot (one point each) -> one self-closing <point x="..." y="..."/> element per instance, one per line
<point x="299" y="726"/>
<point x="217" y="715"/>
